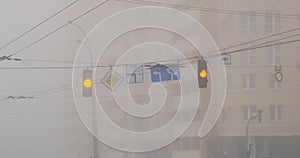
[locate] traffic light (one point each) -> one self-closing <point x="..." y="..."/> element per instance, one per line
<point x="259" y="115"/>
<point x="202" y="73"/>
<point x="87" y="83"/>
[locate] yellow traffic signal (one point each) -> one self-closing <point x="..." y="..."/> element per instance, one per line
<point x="203" y="73"/>
<point x="87" y="83"/>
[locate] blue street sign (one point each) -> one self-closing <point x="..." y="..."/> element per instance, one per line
<point x="166" y="72"/>
<point x="135" y="73"/>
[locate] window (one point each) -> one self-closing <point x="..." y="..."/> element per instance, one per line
<point x="248" y="111"/>
<point x="230" y="25"/>
<point x="225" y="114"/>
<point x="248" y="57"/>
<point x="188" y="143"/>
<point x="273" y="55"/>
<point x="249" y="81"/>
<point x="273" y="83"/>
<point x="248" y="23"/>
<point x="299" y="21"/>
<point x="229" y="82"/>
<point x="184" y="115"/>
<point x="272" y="22"/>
<point x="275" y="113"/>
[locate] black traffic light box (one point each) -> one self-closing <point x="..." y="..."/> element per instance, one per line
<point x="202" y="73"/>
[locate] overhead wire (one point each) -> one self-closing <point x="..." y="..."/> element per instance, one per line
<point x="43" y="92"/>
<point x="90" y="10"/>
<point x="33" y="88"/>
<point x="59" y="28"/>
<point x="258" y="39"/>
<point x="214" y="10"/>
<point x="51" y="89"/>
<point x="71" y="21"/>
<point x="47" y="92"/>
<point x="174" y="60"/>
<point x="38" y="25"/>
<point x="52" y="61"/>
<point x="66" y="87"/>
<point x="261" y="44"/>
<point x="223" y="49"/>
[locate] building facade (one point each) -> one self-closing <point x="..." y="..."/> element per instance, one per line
<point x="251" y="82"/>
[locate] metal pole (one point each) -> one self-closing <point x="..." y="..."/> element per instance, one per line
<point x="95" y="141"/>
<point x="247" y="134"/>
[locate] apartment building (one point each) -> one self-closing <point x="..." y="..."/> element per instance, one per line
<point x="251" y="82"/>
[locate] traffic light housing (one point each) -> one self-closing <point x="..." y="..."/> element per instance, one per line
<point x="202" y="73"/>
<point x="87" y="83"/>
<point x="259" y="115"/>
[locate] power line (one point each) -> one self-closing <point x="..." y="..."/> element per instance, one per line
<point x="262" y="44"/>
<point x="213" y="52"/>
<point x="82" y="67"/>
<point x="34" y="88"/>
<point x="46" y="91"/>
<point x="216" y="53"/>
<point x="59" y="28"/>
<point x="52" y="61"/>
<point x="259" y="46"/>
<point x="55" y="91"/>
<point x="259" y="39"/>
<point x="51" y="91"/>
<point x="42" y="92"/>
<point x="214" y="10"/>
<point x="39" y="24"/>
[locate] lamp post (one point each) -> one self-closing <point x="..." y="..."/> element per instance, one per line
<point x="253" y="116"/>
<point x="95" y="141"/>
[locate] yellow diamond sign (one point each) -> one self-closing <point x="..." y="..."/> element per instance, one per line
<point x="112" y="80"/>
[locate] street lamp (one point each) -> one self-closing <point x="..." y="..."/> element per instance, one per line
<point x="87" y="83"/>
<point x="253" y="116"/>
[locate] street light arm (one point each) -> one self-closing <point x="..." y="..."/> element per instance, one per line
<point x="88" y="42"/>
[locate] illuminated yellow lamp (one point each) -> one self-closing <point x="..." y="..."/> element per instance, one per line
<point x="87" y="83"/>
<point x="111" y="80"/>
<point x="203" y="73"/>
